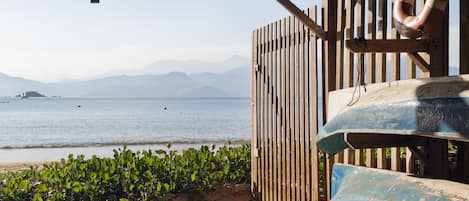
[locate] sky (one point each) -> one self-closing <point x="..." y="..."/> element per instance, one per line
<point x="53" y="40"/>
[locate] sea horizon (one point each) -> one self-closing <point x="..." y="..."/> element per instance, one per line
<point x="39" y="129"/>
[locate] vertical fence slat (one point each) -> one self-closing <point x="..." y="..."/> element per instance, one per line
<point x="271" y="112"/>
<point x="292" y="107"/>
<point x="297" y="108"/>
<point x="275" y="110"/>
<point x="381" y="161"/>
<point x="283" y="108"/>
<point x="278" y="111"/>
<point x="301" y="88"/>
<point x="306" y="139"/>
<point x="264" y="117"/>
<point x="254" y="132"/>
<point x="287" y="105"/>
<point x="314" y="93"/>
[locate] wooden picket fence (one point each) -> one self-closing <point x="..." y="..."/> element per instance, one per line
<point x="293" y="71"/>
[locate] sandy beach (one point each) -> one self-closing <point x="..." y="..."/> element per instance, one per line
<point x="13" y="167"/>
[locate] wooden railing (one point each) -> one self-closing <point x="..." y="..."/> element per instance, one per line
<point x="294" y="68"/>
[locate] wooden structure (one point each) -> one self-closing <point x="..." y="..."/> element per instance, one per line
<point x="299" y="59"/>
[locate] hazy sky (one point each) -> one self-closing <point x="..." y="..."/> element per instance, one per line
<point x="51" y="40"/>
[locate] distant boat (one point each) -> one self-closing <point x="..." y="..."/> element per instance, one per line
<point x="397" y="114"/>
<point x="30" y="94"/>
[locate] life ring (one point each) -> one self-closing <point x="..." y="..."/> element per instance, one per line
<point x="421" y="25"/>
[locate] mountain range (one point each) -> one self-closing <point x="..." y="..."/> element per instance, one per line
<point x="163" y="79"/>
<point x="146" y="82"/>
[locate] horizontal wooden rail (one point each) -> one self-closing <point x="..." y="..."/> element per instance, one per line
<point x="390" y="45"/>
<point x="313" y="26"/>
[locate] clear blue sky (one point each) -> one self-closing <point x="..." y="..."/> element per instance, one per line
<point x="51" y="40"/>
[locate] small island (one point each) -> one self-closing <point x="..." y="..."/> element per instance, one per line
<point x="30" y="94"/>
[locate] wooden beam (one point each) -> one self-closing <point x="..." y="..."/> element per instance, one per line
<point x="390" y="45"/>
<point x="420" y="61"/>
<point x="371" y="140"/>
<point x="294" y="10"/>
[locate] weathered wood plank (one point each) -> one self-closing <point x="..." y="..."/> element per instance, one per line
<point x="313" y="112"/>
<point x="283" y="78"/>
<point x="275" y="85"/>
<point x="269" y="116"/>
<point x="297" y="110"/>
<point x="254" y="132"/>
<point x="264" y="117"/>
<point x="307" y="175"/>
<point x="288" y="106"/>
<point x="293" y="111"/>
<point x="329" y="68"/>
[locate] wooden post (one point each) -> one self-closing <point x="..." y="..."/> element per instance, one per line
<point x="330" y="27"/>
<point x="464" y="36"/>
<point x="437" y="150"/>
<point x="463" y="148"/>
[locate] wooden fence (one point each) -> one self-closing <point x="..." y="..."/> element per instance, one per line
<point x="293" y="71"/>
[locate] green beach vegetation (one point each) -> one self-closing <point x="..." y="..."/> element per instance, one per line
<point x="129" y="175"/>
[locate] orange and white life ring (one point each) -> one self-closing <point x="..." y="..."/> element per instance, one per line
<point x="420" y="25"/>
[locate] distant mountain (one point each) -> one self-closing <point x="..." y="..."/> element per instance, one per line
<point x="191" y="66"/>
<point x="11" y="86"/>
<point x="233" y="83"/>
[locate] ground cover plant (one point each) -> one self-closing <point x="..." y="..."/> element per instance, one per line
<point x="129" y="175"/>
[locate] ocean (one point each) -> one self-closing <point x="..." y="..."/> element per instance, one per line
<point x="47" y="129"/>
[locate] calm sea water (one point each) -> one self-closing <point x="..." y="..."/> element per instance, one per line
<point x="64" y="122"/>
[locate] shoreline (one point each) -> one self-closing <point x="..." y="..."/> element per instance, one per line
<point x="128" y="144"/>
<point x="20" y="159"/>
<point x="18" y="166"/>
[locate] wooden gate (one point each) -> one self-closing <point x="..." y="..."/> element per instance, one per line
<point x="295" y="67"/>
